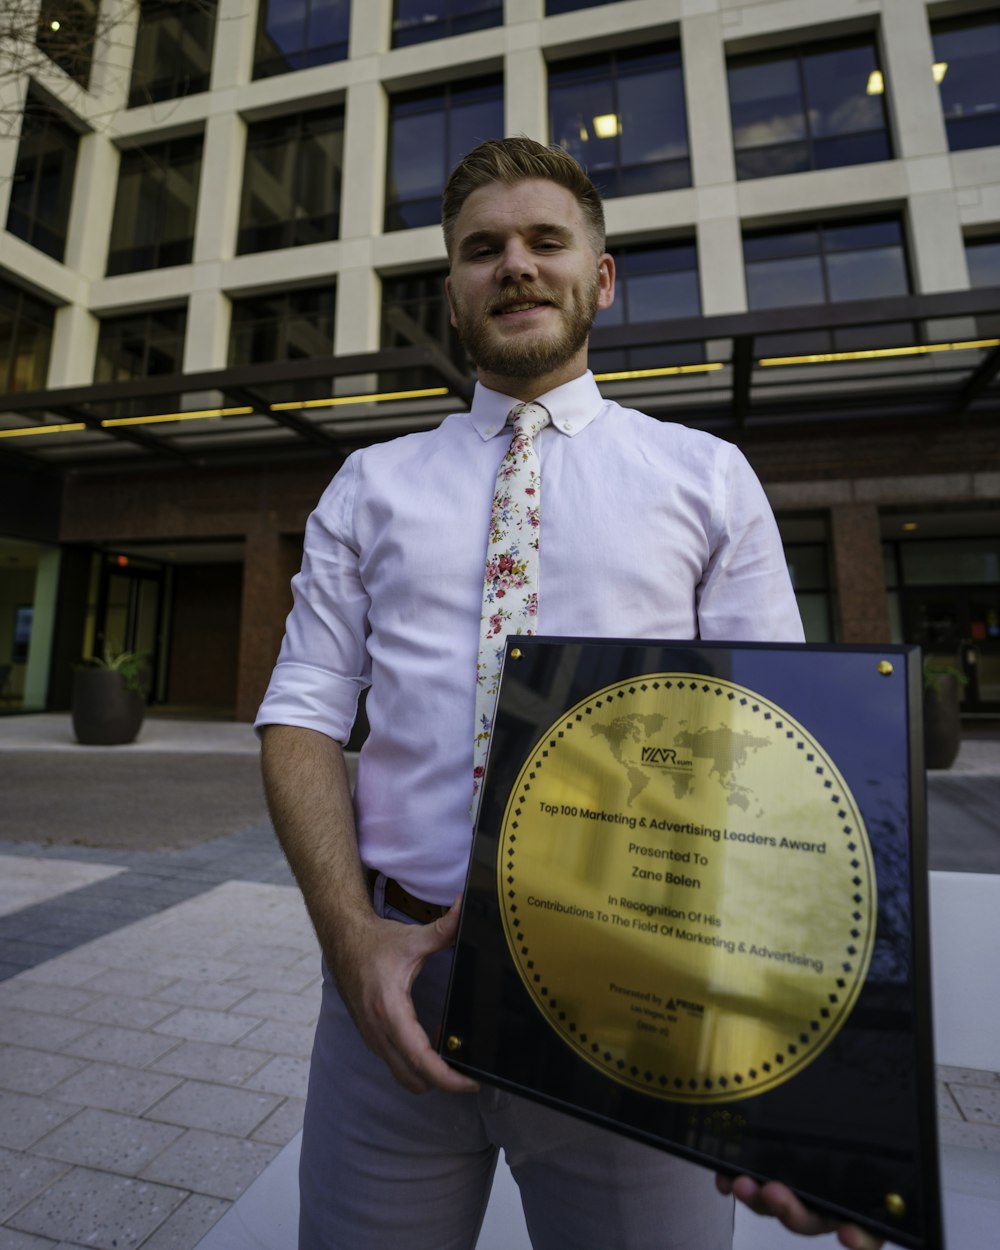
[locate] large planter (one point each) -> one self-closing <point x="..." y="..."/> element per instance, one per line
<point x="105" y="712"/>
<point x="942" y="721"/>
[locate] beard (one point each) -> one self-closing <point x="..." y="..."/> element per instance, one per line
<point x="528" y="356"/>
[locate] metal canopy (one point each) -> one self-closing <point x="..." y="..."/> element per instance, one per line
<point x="917" y="358"/>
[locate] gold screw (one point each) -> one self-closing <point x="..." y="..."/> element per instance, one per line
<point x="454" y="1043"/>
<point x="885" y="668"/>
<point x="516" y="653"/>
<point x="895" y="1205"/>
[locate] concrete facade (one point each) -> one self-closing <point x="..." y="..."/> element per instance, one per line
<point x="941" y="195"/>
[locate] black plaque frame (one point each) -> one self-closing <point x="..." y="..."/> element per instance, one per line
<point x="854" y="1134"/>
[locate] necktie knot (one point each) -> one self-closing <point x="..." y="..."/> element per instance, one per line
<point x="528" y="419"/>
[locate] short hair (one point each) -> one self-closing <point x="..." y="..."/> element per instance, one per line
<point x="511" y="161"/>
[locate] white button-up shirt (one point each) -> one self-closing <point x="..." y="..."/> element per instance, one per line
<point x="648" y="530"/>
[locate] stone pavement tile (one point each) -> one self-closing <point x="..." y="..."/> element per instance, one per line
<point x="72" y="969"/>
<point x="966" y="1076"/>
<point x="56" y="1000"/>
<point x="115" y="1143"/>
<point x="39" y="1031"/>
<point x="230" y="1065"/>
<point x="197" y="1025"/>
<point x="33" y="1072"/>
<point x="979" y="1103"/>
<point x="284" y="980"/>
<point x="971" y="1136"/>
<point x="131" y="983"/>
<point x="257" y="954"/>
<point x="23" y="1178"/>
<point x="120" y="1009"/>
<point x="110" y="1044"/>
<point x="189" y="1223"/>
<point x="947" y="1107"/>
<point x="211" y="1163"/>
<point x="219" y="996"/>
<point x="282" y="1039"/>
<point x="190" y="967"/>
<point x="281" y="1126"/>
<point x="11" y="1239"/>
<point x="96" y="1209"/>
<point x="286" y="1008"/>
<point x="24" y="1118"/>
<point x="199" y="1104"/>
<point x="115" y="1088"/>
<point x="282" y="1075"/>
<point x="28" y="879"/>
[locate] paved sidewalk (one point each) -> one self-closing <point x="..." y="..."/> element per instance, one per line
<point x="156" y="1013"/>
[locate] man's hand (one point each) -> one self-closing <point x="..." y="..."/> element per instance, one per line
<point x="375" y="970"/>
<point x="778" y="1200"/>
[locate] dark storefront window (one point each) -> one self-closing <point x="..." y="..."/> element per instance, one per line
<point x="967" y="56"/>
<point x="623" y="116"/>
<point x="155" y="207"/>
<point x="292" y="181"/>
<point x="140" y="345"/>
<point x="288" y="326"/>
<point x="297" y="34"/>
<point x="173" y="50"/>
<point x="43" y="180"/>
<point x="66" y="32"/>
<point x="415" y="311"/>
<point x="419" y="21"/>
<point x="827" y="264"/>
<point x="25" y="340"/>
<point x="653" y="282"/>
<point x="808" y="108"/>
<point x="429" y="132"/>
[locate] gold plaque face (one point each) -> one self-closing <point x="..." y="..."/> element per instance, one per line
<point x="703" y="849"/>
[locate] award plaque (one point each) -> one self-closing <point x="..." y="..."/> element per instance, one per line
<point x="696" y="912"/>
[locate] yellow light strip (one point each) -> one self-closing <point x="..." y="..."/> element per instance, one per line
<point x="373" y="398"/>
<point x="42" y="429"/>
<point x="627" y="375"/>
<point x="877" y="353"/>
<point x="179" y="416"/>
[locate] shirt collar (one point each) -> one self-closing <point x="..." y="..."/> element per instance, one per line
<point x="571" y="406"/>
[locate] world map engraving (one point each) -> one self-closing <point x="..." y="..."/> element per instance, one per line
<point x="725" y="749"/>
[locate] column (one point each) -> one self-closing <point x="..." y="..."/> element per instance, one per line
<point x="93" y="206"/>
<point x="74" y="346"/>
<point x="859" y="568"/>
<point x="911" y="92"/>
<point x="720" y="263"/>
<point x="235" y="32"/>
<point x="219" y="188"/>
<point x="365" y="138"/>
<point x="706" y="89"/>
<point x="272" y="558"/>
<point x="525" y="102"/>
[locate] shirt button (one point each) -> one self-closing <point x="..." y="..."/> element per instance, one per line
<point x="490" y="429"/>
<point x="567" y="426"/>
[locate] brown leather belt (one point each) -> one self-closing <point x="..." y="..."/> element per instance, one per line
<point x="401" y="900"/>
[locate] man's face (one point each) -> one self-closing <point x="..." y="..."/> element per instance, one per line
<point x="525" y="284"/>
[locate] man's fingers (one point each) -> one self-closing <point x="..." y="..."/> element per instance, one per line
<point x="777" y="1200"/>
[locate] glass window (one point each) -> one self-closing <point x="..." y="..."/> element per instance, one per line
<point x="653" y="282"/>
<point x="418" y="21"/>
<point x="820" y="264"/>
<point x="25" y="340"/>
<point x="552" y="7"/>
<point x="808" y="108"/>
<point x="966" y="55"/>
<point x="429" y="132"/>
<point x="951" y="562"/>
<point x="153" y="225"/>
<point x="140" y="345"/>
<point x="623" y="116"/>
<point x="415" y="311"/>
<point x="297" y="34"/>
<point x="292" y="181"/>
<point x="983" y="257"/>
<point x="289" y="325"/>
<point x="43" y="180"/>
<point x="66" y="33"/>
<point x="173" y="50"/>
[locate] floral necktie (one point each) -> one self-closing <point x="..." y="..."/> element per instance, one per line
<point x="510" y="587"/>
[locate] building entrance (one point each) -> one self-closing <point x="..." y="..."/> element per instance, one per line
<point x="130" y="607"/>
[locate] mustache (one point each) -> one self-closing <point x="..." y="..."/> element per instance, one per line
<point x="517" y="294"/>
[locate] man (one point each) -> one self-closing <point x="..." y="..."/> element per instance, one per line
<point x="647" y="530"/>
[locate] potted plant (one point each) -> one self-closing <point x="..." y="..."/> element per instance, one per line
<point x="943" y="685"/>
<point x="109" y="698"/>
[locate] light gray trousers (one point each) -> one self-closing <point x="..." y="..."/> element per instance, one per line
<point x="382" y="1167"/>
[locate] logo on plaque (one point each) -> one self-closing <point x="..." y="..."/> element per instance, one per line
<point x="719" y="854"/>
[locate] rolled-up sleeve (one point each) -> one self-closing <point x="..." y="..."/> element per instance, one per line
<point x="745" y="593"/>
<point x="323" y="664"/>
